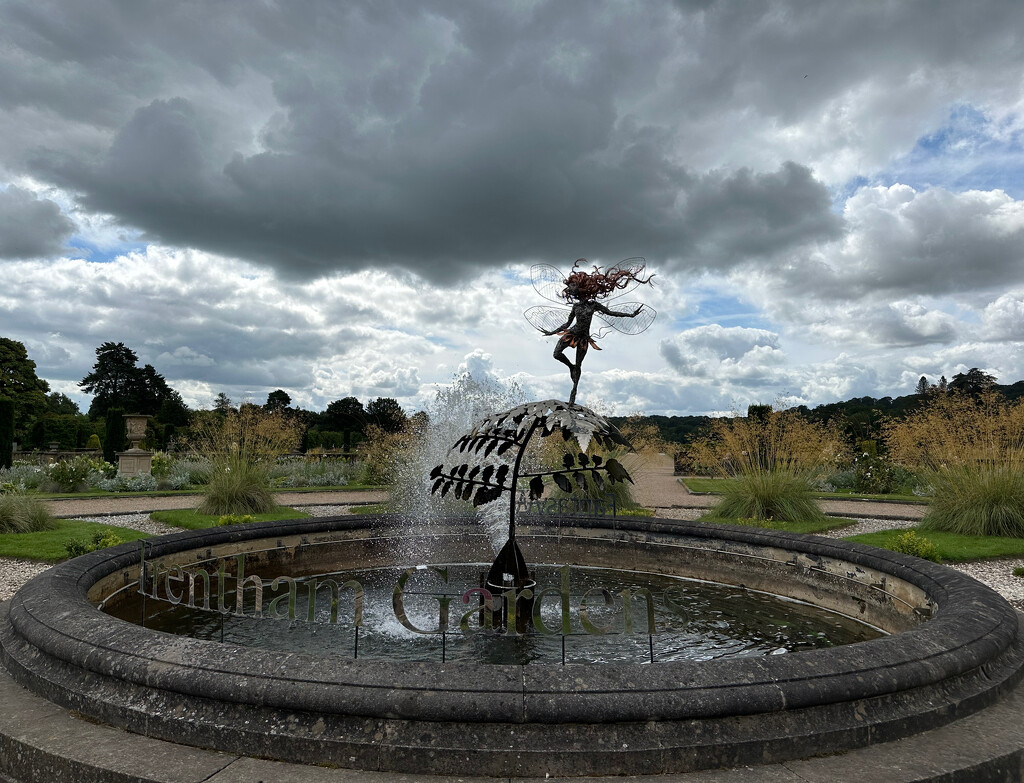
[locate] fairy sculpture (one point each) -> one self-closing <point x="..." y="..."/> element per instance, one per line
<point x="584" y="290"/>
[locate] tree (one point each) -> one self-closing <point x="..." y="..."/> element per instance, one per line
<point x="148" y="391"/>
<point x="20" y="384"/>
<point x="114" y="437"/>
<point x="6" y="433"/>
<point x="387" y="414"/>
<point x="278" y="400"/>
<point x="222" y="403"/>
<point x="113" y="378"/>
<point x="61" y="404"/>
<point x="173" y="410"/>
<point x="117" y="381"/>
<point x="974" y="381"/>
<point x="346" y="414"/>
<point x="922" y="387"/>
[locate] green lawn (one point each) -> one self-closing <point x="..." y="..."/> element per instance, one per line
<point x="953" y="548"/>
<point x="831" y="523"/>
<point x="190" y="519"/>
<point x="370" y="508"/>
<point x="715" y="486"/>
<point x="48" y="545"/>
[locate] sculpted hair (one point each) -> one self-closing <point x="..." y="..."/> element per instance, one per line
<point x="593" y="285"/>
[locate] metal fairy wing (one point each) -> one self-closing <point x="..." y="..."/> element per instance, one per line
<point x="547" y="319"/>
<point x="548" y="281"/>
<point x="626" y="324"/>
<point x="635" y="265"/>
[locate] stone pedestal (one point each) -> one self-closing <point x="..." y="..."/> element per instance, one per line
<point x="135" y="460"/>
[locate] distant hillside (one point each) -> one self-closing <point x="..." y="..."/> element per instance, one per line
<point x="860" y="418"/>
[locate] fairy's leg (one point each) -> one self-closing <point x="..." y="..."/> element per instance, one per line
<point x="576" y="370"/>
<point x="559" y="353"/>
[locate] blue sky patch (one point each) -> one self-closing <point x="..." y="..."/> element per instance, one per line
<point x="971" y="152"/>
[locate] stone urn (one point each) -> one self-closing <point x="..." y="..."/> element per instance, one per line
<point x="135" y="460"/>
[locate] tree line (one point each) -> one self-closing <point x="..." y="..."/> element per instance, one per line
<point x="33" y="416"/>
<point x="858" y="418"/>
<point x="118" y="385"/>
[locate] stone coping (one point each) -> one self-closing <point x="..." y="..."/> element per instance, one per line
<point x="574" y="719"/>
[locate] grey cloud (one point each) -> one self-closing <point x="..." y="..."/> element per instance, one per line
<point x="904" y="243"/>
<point x="440" y="138"/>
<point x="31" y="227"/>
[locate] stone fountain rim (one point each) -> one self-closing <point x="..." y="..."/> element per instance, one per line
<point x="974" y="626"/>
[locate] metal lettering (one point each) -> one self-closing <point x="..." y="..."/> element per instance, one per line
<point x="588" y="626"/>
<point x="291" y="595"/>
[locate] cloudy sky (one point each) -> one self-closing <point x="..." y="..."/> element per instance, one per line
<point x="345" y="198"/>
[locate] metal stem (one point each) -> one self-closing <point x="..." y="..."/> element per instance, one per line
<point x="515" y="481"/>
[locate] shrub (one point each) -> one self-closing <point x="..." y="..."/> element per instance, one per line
<point x="971" y="453"/>
<point x="20" y="513"/>
<point x="977" y="500"/>
<point x="141" y="482"/>
<point x="385" y="453"/>
<point x="910" y="543"/>
<point x="237" y="486"/>
<point x="234" y="519"/>
<point x="774" y="456"/>
<point x="312" y="473"/>
<point x="93" y="442"/>
<point x="843" y="479"/>
<point x="24" y="475"/>
<point x="241" y="446"/>
<point x="189" y="472"/>
<point x="162" y="464"/>
<point x="100" y="540"/>
<point x="770" y="494"/>
<point x="71" y="475"/>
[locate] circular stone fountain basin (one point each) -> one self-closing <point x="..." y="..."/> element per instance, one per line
<point x="580" y="618"/>
<point x="953" y="647"/>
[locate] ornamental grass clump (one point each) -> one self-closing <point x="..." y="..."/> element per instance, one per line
<point x="772" y="458"/>
<point x="241" y="447"/>
<point x="20" y="513"/>
<point x="970" y="451"/>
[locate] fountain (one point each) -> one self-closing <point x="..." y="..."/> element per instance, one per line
<point x="100" y="636"/>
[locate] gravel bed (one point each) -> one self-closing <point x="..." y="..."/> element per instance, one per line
<point x="997" y="574"/>
<point x="139" y="521"/>
<point x="870" y="526"/>
<point x="324" y="511"/>
<point x="15" y="572"/>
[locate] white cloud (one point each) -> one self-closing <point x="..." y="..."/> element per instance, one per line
<point x="1003" y="319"/>
<point x="839" y="185"/>
<point x="735" y="353"/>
